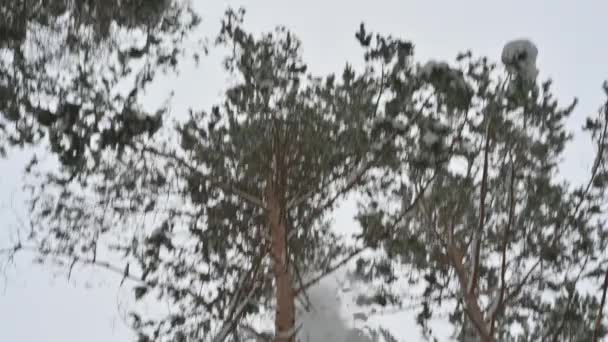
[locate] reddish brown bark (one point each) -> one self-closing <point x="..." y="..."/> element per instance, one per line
<point x="472" y="308"/>
<point x="285" y="298"/>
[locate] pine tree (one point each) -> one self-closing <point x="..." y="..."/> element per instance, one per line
<point x="73" y="71"/>
<point x="226" y="214"/>
<point x="469" y="203"/>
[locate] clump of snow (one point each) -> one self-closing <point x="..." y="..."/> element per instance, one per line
<point x="284" y="112"/>
<point x="440" y="127"/>
<point x="458" y="82"/>
<point x="467" y="146"/>
<point x="430" y="138"/>
<point x="446" y="79"/>
<point x="377" y="147"/>
<point x="95" y="142"/>
<point x="398" y="125"/>
<point x="395" y="123"/>
<point x="433" y="66"/>
<point x="519" y="57"/>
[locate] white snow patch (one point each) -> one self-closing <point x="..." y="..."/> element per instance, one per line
<point x="399" y="126"/>
<point x="429" y="138"/>
<point x="284" y="112"/>
<point x="519" y="57"/>
<point x="377" y="147"/>
<point x="95" y="142"/>
<point x="467" y="146"/>
<point x="431" y="66"/>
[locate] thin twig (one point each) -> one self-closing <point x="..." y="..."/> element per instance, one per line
<point x="228" y="325"/>
<point x="330" y="270"/>
<point x="299" y="277"/>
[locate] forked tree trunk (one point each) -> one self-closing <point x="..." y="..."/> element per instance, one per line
<point x="284" y="293"/>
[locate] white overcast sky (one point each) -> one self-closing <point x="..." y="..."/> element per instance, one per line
<point x="570" y="35"/>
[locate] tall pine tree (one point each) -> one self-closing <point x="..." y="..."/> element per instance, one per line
<point x="470" y="204"/>
<point x="225" y="214"/>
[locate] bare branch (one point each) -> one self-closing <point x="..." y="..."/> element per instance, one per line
<point x="77" y="259"/>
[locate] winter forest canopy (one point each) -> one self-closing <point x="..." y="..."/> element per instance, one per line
<point x="225" y="214"/>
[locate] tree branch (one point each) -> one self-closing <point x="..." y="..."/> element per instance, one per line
<point x="301" y="281"/>
<point x="221" y="185"/>
<point x="482" y="213"/>
<point x="100" y="264"/>
<point x="600" y="310"/>
<point x="354" y="176"/>
<point x="563" y="319"/>
<point x="228" y="325"/>
<point x="240" y="286"/>
<point x="505" y="241"/>
<point x="75" y="259"/>
<point x="470" y="301"/>
<point x="351" y="180"/>
<point x="330" y="270"/>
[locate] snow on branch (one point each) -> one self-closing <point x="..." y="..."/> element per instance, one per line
<point x="519" y="57"/>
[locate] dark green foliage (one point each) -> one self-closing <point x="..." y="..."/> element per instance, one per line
<point x="187" y="209"/>
<point x="457" y="165"/>
<point x="423" y="205"/>
<point x="65" y="65"/>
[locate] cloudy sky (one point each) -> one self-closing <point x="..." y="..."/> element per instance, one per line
<point x="36" y="305"/>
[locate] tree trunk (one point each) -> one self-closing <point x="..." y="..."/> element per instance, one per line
<point x="471" y="305"/>
<point x="285" y="298"/>
<point x="598" y="321"/>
